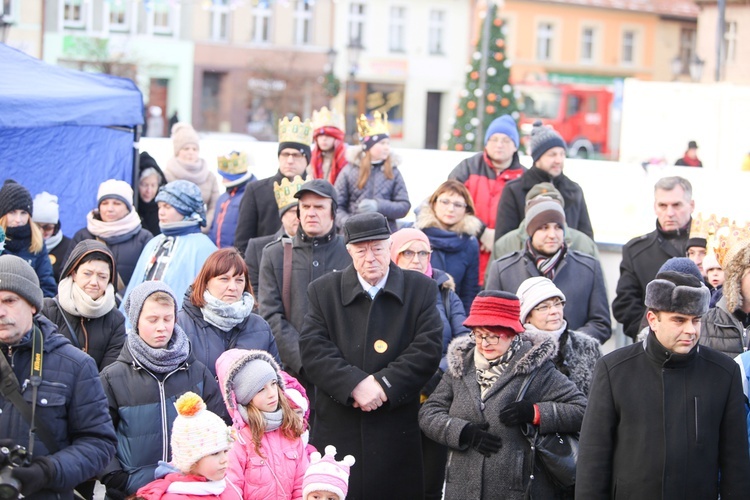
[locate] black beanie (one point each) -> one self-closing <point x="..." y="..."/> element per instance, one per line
<point x="14" y="196"/>
<point x="302" y="148"/>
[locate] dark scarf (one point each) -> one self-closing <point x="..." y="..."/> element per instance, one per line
<point x="164" y="360"/>
<point x="149" y="213"/>
<point x="546" y="264"/>
<point x="18" y="238"/>
<point x="338" y="162"/>
<point x="677" y="238"/>
<point x="179" y="230"/>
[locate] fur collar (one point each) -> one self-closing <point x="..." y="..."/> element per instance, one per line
<point x="530" y="357"/>
<point x="354" y="156"/>
<point x="427" y="218"/>
<point x="737" y="260"/>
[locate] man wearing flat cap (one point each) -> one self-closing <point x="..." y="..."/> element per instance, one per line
<point x="371" y="339"/>
<point x="666" y="416"/>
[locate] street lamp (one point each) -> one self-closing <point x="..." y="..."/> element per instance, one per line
<point x="696" y="68"/>
<point x="4" y="28"/>
<point x="331" y="84"/>
<point x="676" y="65"/>
<point x="354" y="51"/>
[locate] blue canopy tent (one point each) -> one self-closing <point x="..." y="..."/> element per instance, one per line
<point x="65" y="131"/>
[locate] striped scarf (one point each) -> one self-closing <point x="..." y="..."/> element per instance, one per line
<point x="489" y="371"/>
<point x="547" y="265"/>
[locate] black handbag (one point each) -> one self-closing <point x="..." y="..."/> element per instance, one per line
<point x="557" y="452"/>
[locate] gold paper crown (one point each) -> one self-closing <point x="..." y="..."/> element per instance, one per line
<point x="726" y="236"/>
<point x="378" y="126"/>
<point x="325" y="117"/>
<point x="233" y="164"/>
<point x="285" y="191"/>
<point x="295" y="131"/>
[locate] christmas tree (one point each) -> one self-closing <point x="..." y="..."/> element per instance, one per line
<point x="487" y="95"/>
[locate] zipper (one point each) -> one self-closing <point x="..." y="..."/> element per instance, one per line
<point x="695" y="402"/>
<point x="163" y="411"/>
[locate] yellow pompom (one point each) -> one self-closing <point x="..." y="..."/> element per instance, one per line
<point x="189" y="404"/>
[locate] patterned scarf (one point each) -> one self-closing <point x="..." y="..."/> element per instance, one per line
<point x="547" y="265"/>
<point x="164" y="360"/>
<point x="489" y="371"/>
<point x="226" y="316"/>
<point x="338" y="161"/>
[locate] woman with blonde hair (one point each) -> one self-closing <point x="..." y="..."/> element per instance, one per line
<point x="24" y="239"/>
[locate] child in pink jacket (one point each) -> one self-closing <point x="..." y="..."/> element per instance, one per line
<point x="268" y="460"/>
<point x="200" y="442"/>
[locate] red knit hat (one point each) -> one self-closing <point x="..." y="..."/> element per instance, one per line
<point x="493" y="308"/>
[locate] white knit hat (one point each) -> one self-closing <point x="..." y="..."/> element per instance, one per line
<point x="117" y="190"/>
<point x="326" y="474"/>
<point x="46" y="208"/>
<point x="534" y="291"/>
<point x="196" y="432"/>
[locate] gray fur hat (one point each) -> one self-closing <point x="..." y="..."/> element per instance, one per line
<point x="17" y="276"/>
<point x="676" y="292"/>
<point x="136" y="298"/>
<point x="735" y="264"/>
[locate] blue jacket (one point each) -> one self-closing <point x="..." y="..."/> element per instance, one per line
<point x="72" y="404"/>
<point x="141" y="404"/>
<point x="227" y="214"/>
<point x="42" y="266"/>
<point x="453" y="321"/>
<point x="457" y="255"/>
<point x="209" y="342"/>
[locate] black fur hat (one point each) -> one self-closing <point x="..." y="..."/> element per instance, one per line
<point x="676" y="292"/>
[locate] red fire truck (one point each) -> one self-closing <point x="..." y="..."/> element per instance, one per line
<point x="580" y="113"/>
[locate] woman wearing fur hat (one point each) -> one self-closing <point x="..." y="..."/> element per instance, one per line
<point x="726" y="327"/>
<point x="187" y="165"/>
<point x="116" y="223"/>
<point x="47" y="217"/>
<point x="23" y="238"/>
<point x="150" y="180"/>
<point x="474" y="410"/>
<point x="155" y="367"/>
<point x="217" y="310"/>
<point x="542" y="305"/>
<point x="268" y="460"/>
<point x="448" y="220"/>
<point x="84" y="309"/>
<point x="371" y="181"/>
<point x="178" y="253"/>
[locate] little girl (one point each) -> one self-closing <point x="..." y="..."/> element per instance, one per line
<point x="327" y="479"/>
<point x="268" y="460"/>
<point x="200" y="441"/>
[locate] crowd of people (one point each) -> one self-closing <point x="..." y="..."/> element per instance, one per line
<point x="188" y="343"/>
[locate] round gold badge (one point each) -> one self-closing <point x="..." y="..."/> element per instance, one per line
<point x="52" y="259"/>
<point x="381" y="346"/>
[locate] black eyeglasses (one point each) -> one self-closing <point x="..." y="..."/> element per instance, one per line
<point x="490" y="339"/>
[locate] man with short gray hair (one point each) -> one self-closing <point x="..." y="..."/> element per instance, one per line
<point x="643" y="256"/>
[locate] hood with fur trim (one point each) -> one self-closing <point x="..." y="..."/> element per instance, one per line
<point x="735" y="263"/>
<point x="227" y="367"/>
<point x="527" y="359"/>
<point x="354" y="156"/>
<point x="427" y="218"/>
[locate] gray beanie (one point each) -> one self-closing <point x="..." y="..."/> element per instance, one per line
<point x="251" y="378"/>
<point x="17" y="276"/>
<point x="676" y="292"/>
<point x="138" y="295"/>
<point x="543" y="139"/>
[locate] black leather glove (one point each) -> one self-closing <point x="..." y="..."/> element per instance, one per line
<point x="116" y="483"/>
<point x="35" y="476"/>
<point x="7" y="443"/>
<point x="476" y="436"/>
<point x="520" y="412"/>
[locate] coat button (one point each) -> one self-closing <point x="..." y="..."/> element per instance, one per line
<point x="43" y="401"/>
<point x="316" y="263"/>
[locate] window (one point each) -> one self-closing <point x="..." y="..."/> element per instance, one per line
<point x="397" y="30"/>
<point x="302" y="21"/>
<point x="220" y="20"/>
<point x="6" y="10"/>
<point x="356" y="23"/>
<point x="118" y="16"/>
<point x="436" y="32"/>
<point x="161" y="15"/>
<point x="73" y="11"/>
<point x="687" y="49"/>
<point x="587" y="45"/>
<point x="729" y="43"/>
<point x="628" y="47"/>
<point x="262" y="23"/>
<point x="545" y="32"/>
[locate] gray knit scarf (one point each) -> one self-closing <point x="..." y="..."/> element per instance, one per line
<point x="273" y="419"/>
<point x="164" y="360"/>
<point x="226" y="316"/>
<point x="489" y="371"/>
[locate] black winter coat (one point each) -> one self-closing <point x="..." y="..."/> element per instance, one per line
<point x="664" y="425"/>
<point x="641" y="259"/>
<point x="253" y="254"/>
<point x="71" y="402"/>
<point x="512" y="206"/>
<point x="209" y="342"/>
<point x="126" y="252"/>
<point x="57" y="256"/>
<point x="397" y="337"/>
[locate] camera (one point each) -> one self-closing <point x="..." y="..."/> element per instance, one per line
<point x="11" y="457"/>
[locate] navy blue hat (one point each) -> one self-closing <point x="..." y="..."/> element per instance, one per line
<point x="543" y="139"/>
<point x="369" y="226"/>
<point x="502" y="125"/>
<point x="681" y="265"/>
<point x="185" y="197"/>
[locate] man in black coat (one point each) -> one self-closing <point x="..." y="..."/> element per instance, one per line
<point x="371" y="340"/>
<point x="548" y="151"/>
<point x="259" y="215"/>
<point x="643" y="256"/>
<point x="666" y="416"/>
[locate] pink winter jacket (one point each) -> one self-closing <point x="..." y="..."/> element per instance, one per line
<point x="279" y="474"/>
<point x="199" y="487"/>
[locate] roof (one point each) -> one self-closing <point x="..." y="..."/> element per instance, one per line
<point x="673" y="8"/>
